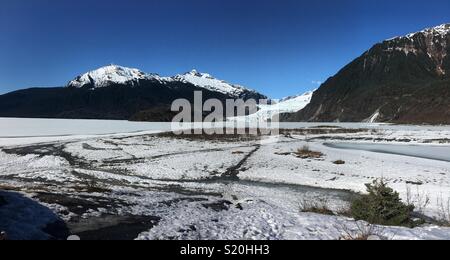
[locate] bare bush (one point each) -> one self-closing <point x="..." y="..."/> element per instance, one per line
<point x="360" y="230"/>
<point x="319" y="206"/>
<point x="306" y="153"/>
<point x="419" y="200"/>
<point x="444" y="211"/>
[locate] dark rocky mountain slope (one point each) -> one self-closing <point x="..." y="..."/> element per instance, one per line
<point x="403" y="80"/>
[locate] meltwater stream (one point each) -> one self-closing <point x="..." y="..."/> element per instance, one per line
<point x="432" y="152"/>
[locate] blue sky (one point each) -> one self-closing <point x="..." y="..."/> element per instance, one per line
<point x="279" y="47"/>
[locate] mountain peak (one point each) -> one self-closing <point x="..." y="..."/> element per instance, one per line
<point x="111" y="74"/>
<point x="305" y="96"/>
<point x="193" y="72"/>
<point x="118" y="75"/>
<point x="196" y="73"/>
<point x="440" y="30"/>
<point x="207" y="81"/>
<point x="432" y="43"/>
<point x="402" y="80"/>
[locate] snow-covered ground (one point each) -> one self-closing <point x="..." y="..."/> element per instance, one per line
<point x="215" y="187"/>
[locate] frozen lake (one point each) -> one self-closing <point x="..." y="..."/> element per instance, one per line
<point x="22" y="127"/>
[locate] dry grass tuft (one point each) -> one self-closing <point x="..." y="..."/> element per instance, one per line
<point x="306" y="153"/>
<point x="316" y="206"/>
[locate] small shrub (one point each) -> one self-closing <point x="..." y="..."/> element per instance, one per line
<point x="318" y="207"/>
<point x="420" y="200"/>
<point x="339" y="162"/>
<point x="360" y="231"/>
<point x="444" y="212"/>
<point x="382" y="205"/>
<point x="306" y="153"/>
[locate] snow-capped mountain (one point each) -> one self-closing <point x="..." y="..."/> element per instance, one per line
<point x="432" y="42"/>
<point x="404" y="80"/>
<point x="112" y="74"/>
<point x="116" y="92"/>
<point x="441" y="30"/>
<point x="299" y="100"/>
<point x="208" y="82"/>
<point x="286" y="105"/>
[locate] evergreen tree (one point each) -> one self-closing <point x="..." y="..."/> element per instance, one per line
<point x="382" y="205"/>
